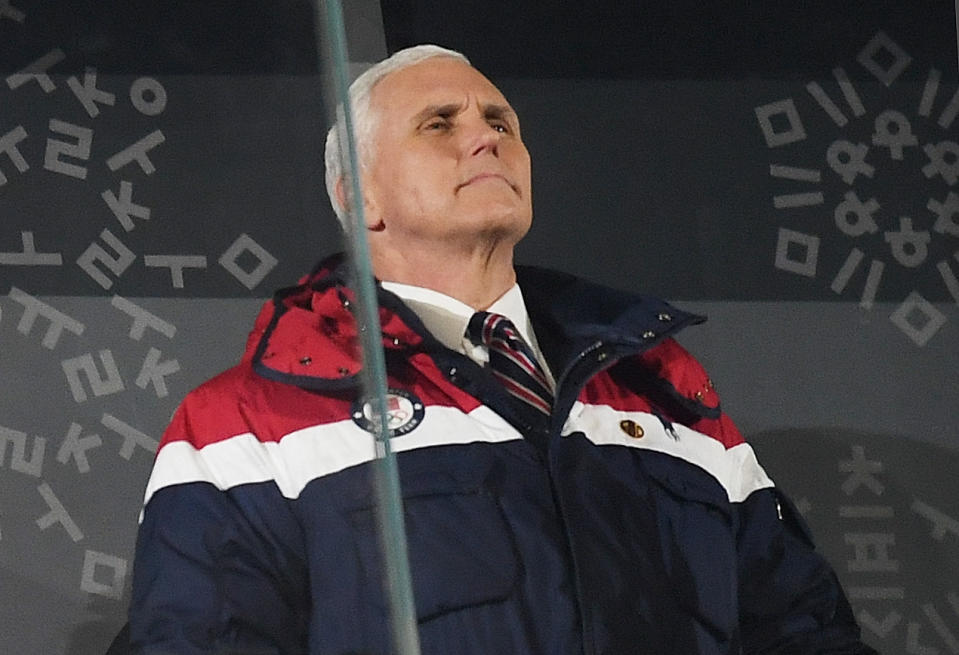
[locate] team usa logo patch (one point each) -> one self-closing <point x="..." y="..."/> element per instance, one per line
<point x="404" y="411"/>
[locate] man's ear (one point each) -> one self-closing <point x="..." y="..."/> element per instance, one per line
<point x="370" y="211"/>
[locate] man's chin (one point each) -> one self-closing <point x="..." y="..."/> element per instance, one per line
<point x="500" y="220"/>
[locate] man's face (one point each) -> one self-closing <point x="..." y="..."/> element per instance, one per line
<point x="448" y="165"/>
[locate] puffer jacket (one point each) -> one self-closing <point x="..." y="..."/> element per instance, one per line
<point x="641" y="523"/>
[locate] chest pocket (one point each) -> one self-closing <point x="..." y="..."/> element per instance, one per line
<point x="460" y="548"/>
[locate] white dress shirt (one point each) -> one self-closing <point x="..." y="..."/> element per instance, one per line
<point x="447" y="319"/>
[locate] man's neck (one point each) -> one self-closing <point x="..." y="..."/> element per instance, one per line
<point x="476" y="278"/>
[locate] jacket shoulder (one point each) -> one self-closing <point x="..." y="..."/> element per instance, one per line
<point x="673" y="364"/>
<point x="212" y="411"/>
<point x="684" y="380"/>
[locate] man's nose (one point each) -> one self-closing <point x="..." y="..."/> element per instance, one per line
<point x="481" y="138"/>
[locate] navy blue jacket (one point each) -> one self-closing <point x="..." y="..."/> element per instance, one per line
<point x="641" y="523"/>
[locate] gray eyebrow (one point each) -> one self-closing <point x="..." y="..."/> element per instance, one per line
<point x="501" y="112"/>
<point x="448" y="109"/>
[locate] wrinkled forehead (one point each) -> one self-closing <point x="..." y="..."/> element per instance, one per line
<point x="436" y="81"/>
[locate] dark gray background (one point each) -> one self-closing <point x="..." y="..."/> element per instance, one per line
<point x="651" y="172"/>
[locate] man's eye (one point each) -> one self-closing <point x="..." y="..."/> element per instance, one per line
<point x="503" y="128"/>
<point x="436" y="124"/>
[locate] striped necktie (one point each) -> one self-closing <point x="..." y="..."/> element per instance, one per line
<point x="512" y="361"/>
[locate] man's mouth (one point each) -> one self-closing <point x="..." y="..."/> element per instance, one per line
<point x="487" y="177"/>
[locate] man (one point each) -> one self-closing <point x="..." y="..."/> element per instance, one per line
<point x="591" y="499"/>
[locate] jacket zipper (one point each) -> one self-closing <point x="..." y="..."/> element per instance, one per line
<point x="604" y="361"/>
<point x="588" y="646"/>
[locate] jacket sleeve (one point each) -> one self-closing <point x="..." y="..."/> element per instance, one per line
<point x="790" y="598"/>
<point x="216" y="568"/>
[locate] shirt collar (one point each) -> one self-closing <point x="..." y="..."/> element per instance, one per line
<point x="447" y="318"/>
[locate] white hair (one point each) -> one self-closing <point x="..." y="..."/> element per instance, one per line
<point x="365" y="120"/>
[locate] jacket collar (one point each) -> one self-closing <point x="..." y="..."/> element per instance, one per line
<point x="307" y="334"/>
<point x="574" y="315"/>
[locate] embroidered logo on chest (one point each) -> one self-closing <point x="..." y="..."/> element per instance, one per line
<point x="404" y="411"/>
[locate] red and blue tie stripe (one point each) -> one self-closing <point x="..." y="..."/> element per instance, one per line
<point x="512" y="360"/>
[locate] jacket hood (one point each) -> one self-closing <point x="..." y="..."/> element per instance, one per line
<point x="307" y="334"/>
